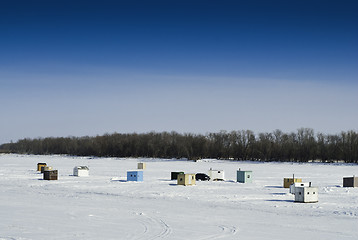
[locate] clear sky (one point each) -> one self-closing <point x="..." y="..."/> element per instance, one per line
<point x="76" y="68"/>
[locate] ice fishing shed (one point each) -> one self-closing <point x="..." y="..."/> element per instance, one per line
<point x="136" y="176"/>
<point x="51" y="175"/>
<point x="243" y="176"/>
<point x="174" y="175"/>
<point x="216" y="175"/>
<point x="40" y="166"/>
<point x="306" y="194"/>
<point x="288" y="181"/>
<point x="186" y="179"/>
<point x="350" y="181"/>
<point x="141" y="165"/>
<point x="81" y="171"/>
<point x="297" y="184"/>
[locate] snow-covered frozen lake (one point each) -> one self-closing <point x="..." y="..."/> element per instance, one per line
<point x="105" y="206"/>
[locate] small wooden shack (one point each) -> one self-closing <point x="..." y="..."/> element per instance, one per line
<point x="81" y="171"/>
<point x="40" y="166"/>
<point x="216" y="175"/>
<point x="350" y="181"/>
<point x="141" y="165"/>
<point x="306" y="194"/>
<point x="51" y="175"/>
<point x="174" y="175"/>
<point x="288" y="181"/>
<point x="244" y="176"/>
<point x="186" y="179"/>
<point x="136" y="176"/>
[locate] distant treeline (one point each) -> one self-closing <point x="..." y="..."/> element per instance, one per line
<point x="301" y="146"/>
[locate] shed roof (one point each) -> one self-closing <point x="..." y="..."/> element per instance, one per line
<point x="82" y="167"/>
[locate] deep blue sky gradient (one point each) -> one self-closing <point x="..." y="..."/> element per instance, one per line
<point x="100" y="60"/>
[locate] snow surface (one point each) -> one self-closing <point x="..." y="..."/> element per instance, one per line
<point x="105" y="206"/>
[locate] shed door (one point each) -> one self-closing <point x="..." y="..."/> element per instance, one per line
<point x="191" y="178"/>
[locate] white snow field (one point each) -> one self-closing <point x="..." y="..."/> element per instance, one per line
<point x="105" y="206"/>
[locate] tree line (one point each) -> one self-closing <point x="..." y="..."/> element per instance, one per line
<point x="301" y="146"/>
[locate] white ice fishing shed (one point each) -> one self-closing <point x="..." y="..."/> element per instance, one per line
<point x="81" y="171"/>
<point x="293" y="186"/>
<point x="216" y="175"/>
<point x="306" y="194"/>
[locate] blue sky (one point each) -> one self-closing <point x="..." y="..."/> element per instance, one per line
<point x="75" y="68"/>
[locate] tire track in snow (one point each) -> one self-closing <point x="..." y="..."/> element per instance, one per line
<point x="226" y="231"/>
<point x="154" y="228"/>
